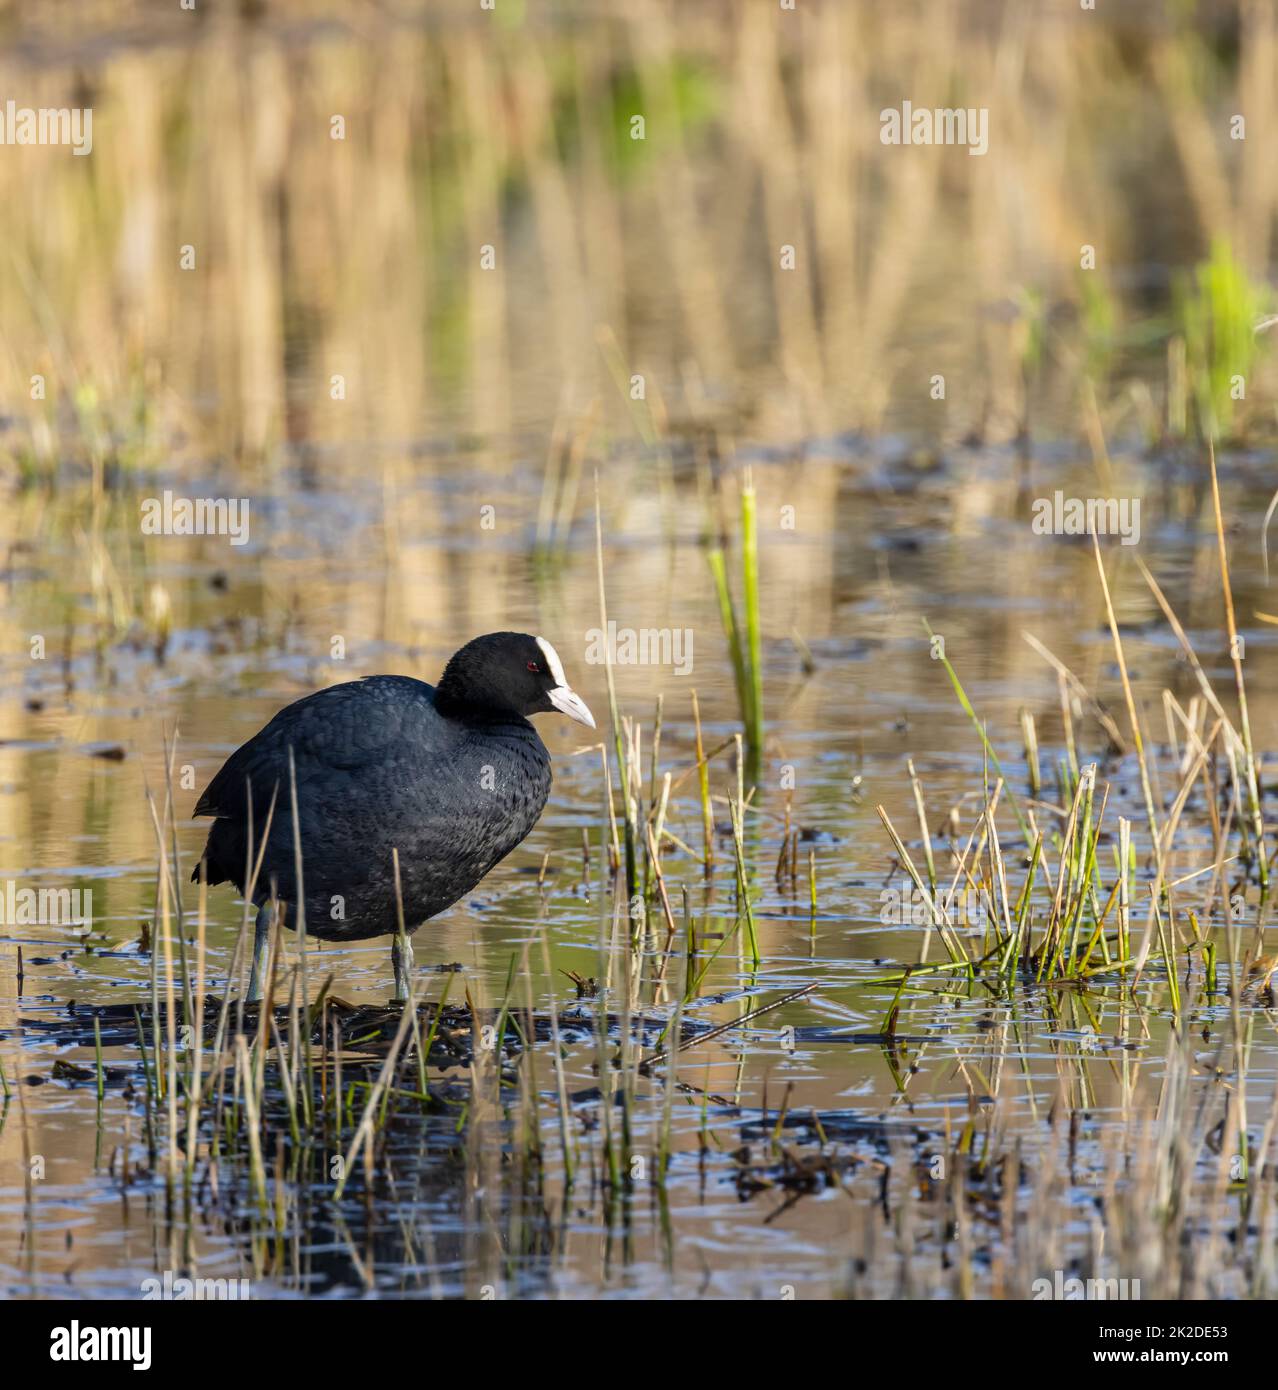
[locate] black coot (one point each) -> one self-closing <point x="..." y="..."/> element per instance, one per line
<point x="452" y="776"/>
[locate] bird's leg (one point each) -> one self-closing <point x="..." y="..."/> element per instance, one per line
<point x="402" y="960"/>
<point x="261" y="935"/>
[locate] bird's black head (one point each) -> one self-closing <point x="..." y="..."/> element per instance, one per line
<point x="507" y="673"/>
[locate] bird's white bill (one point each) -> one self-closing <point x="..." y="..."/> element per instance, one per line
<point x="570" y="703"/>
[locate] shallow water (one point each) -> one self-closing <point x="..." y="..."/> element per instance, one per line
<point x="870" y="558"/>
<point x="964" y="1145"/>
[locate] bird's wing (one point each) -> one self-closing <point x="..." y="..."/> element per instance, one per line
<point x="340" y="729"/>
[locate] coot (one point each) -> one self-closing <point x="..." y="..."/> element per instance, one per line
<point x="452" y="776"/>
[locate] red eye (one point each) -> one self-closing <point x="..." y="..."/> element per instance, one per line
<point x="532" y="666"/>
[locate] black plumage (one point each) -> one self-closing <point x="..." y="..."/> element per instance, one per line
<point x="453" y="777"/>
